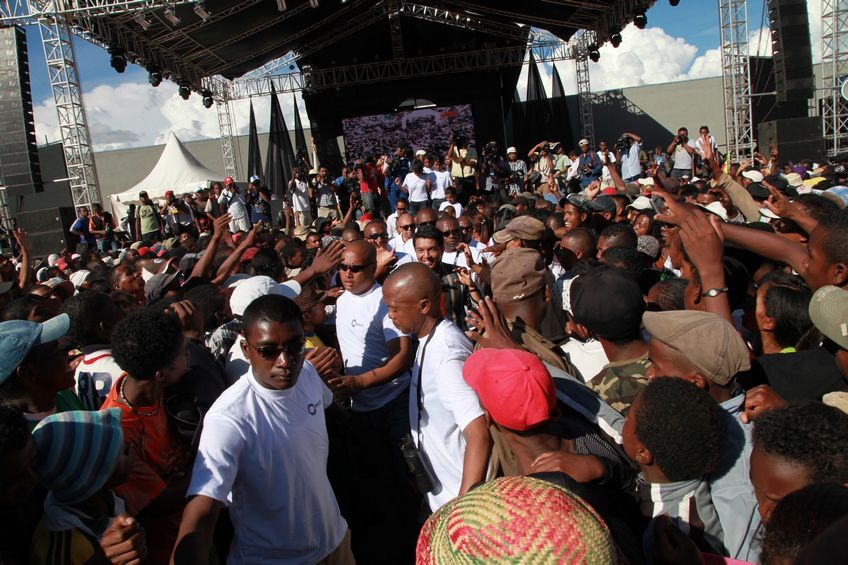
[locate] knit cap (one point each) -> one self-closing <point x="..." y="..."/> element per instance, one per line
<point x="77" y="452"/>
<point x="516" y="520"/>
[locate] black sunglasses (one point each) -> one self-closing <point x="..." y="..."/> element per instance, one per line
<point x="383" y="235"/>
<point x="430" y="223"/>
<point x="353" y="268"/>
<point x="407" y="227"/>
<point x="448" y="233"/>
<point x="271" y="352"/>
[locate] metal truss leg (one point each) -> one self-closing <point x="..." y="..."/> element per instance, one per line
<point x="584" y="87"/>
<point x="225" y="125"/>
<point x="64" y="83"/>
<point x="736" y="78"/>
<point x="834" y="71"/>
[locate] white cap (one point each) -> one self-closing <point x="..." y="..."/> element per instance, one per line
<point x="511" y="150"/>
<point x="794" y="179"/>
<point x="755" y="176"/>
<point x="694" y="179"/>
<point x="52" y="259"/>
<point x="254" y="287"/>
<point x="76" y="256"/>
<point x="583" y="142"/>
<point x="641" y="203"/>
<point x="645" y="181"/>
<point x="420" y="153"/>
<point x="78" y="277"/>
<point x="717" y="209"/>
<point x="555" y="144"/>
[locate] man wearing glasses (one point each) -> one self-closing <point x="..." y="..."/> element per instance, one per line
<point x="376" y="233"/>
<point x="263" y="452"/>
<point x="401" y="208"/>
<point x="402" y="242"/>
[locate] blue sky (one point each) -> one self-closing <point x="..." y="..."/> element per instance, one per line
<point x="680" y="43"/>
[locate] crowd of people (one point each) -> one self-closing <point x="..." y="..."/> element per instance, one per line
<point x="594" y="356"/>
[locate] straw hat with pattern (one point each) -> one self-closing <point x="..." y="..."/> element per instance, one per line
<point x="516" y="520"/>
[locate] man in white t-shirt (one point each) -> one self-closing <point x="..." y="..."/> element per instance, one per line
<point x="606" y="157"/>
<point x="454" y="255"/>
<point x="401" y="208"/>
<point x="441" y="182"/>
<point x="402" y="242"/>
<point x="682" y="150"/>
<point x="631" y="166"/>
<point x="299" y="191"/>
<point x="448" y="426"/>
<point x="377" y="356"/>
<point x="263" y="453"/>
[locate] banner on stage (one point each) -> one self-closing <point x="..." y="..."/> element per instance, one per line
<point x="429" y="129"/>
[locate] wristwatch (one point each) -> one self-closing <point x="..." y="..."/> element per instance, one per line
<point x="713" y="292"/>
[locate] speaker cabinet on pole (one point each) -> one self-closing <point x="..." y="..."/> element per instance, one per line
<point x="49" y="230"/>
<point x="796" y="138"/>
<point x="19" y="166"/>
<point x="791" y="50"/>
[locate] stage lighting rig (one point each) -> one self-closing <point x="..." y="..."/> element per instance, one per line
<point x="118" y="58"/>
<point x="184" y="89"/>
<point x="615" y="39"/>
<point x="640" y="20"/>
<point x="171" y="16"/>
<point x="201" y="12"/>
<point x="154" y="75"/>
<point x="142" y="21"/>
<point x="207" y="98"/>
<point x="594" y="53"/>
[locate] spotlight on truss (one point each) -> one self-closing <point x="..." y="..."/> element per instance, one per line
<point x="118" y="58"/>
<point x="640" y="20"/>
<point x="154" y="75"/>
<point x="207" y="98"/>
<point x="142" y="21"/>
<point x="184" y="90"/>
<point x="172" y="17"/>
<point x="615" y="39"/>
<point x="594" y="53"/>
<point x="201" y="12"/>
<point x="281" y="5"/>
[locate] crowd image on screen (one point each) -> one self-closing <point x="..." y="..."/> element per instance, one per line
<point x="449" y="351"/>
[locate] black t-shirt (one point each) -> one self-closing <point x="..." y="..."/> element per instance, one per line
<point x="799" y="376"/>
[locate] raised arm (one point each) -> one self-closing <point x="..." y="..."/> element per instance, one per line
<point x="219" y="230"/>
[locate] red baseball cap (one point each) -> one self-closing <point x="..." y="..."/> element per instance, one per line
<point x="609" y="191"/>
<point x="142" y="251"/>
<point x="169" y="193"/>
<point x="513" y="386"/>
<point x="228" y="180"/>
<point x="248" y="254"/>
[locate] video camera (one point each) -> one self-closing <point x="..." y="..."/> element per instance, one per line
<point x="622" y="143"/>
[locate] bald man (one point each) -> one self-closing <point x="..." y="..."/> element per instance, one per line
<point x="448" y="425"/>
<point x="576" y="244"/>
<point x="377" y="356"/>
<point x="402" y="242"/>
<point x="426" y="217"/>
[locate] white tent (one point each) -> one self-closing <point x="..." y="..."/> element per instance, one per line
<point x="177" y="170"/>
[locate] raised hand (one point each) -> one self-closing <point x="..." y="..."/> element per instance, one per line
<point x="124" y="541"/>
<point x="759" y="400"/>
<point x="326" y="259"/>
<point x="490" y="327"/>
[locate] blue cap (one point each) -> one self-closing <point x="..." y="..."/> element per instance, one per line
<point x="17" y="337"/>
<point x="254" y="178"/>
<point x="840" y="191"/>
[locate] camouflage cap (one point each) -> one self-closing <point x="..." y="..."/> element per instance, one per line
<point x="707" y="340"/>
<point x="517" y="274"/>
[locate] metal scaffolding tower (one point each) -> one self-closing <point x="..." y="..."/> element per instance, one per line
<point x="222" y="93"/>
<point x="583" y="43"/>
<point x="834" y="108"/>
<point x="736" y="78"/>
<point x="64" y="82"/>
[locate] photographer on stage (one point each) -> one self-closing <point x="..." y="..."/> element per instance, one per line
<point x="682" y="151"/>
<point x="517" y="172"/>
<point x="627" y="149"/>
<point x="493" y="172"/>
<point x="463" y="166"/>
<point x="589" y="165"/>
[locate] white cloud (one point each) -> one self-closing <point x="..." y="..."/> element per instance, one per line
<point x="133" y="114"/>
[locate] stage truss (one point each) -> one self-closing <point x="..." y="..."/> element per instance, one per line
<point x="115" y="22"/>
<point x="736" y="79"/>
<point x="834" y="108"/>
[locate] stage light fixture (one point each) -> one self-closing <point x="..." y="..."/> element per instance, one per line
<point x="142" y="21"/>
<point x="207" y="98"/>
<point x="281" y="5"/>
<point x="172" y="17"/>
<point x="594" y="53"/>
<point x="201" y="12"/>
<point x="184" y="90"/>
<point x="640" y="20"/>
<point x="313" y="3"/>
<point x="673" y="2"/>
<point x="615" y="39"/>
<point x="154" y="75"/>
<point x="118" y="58"/>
